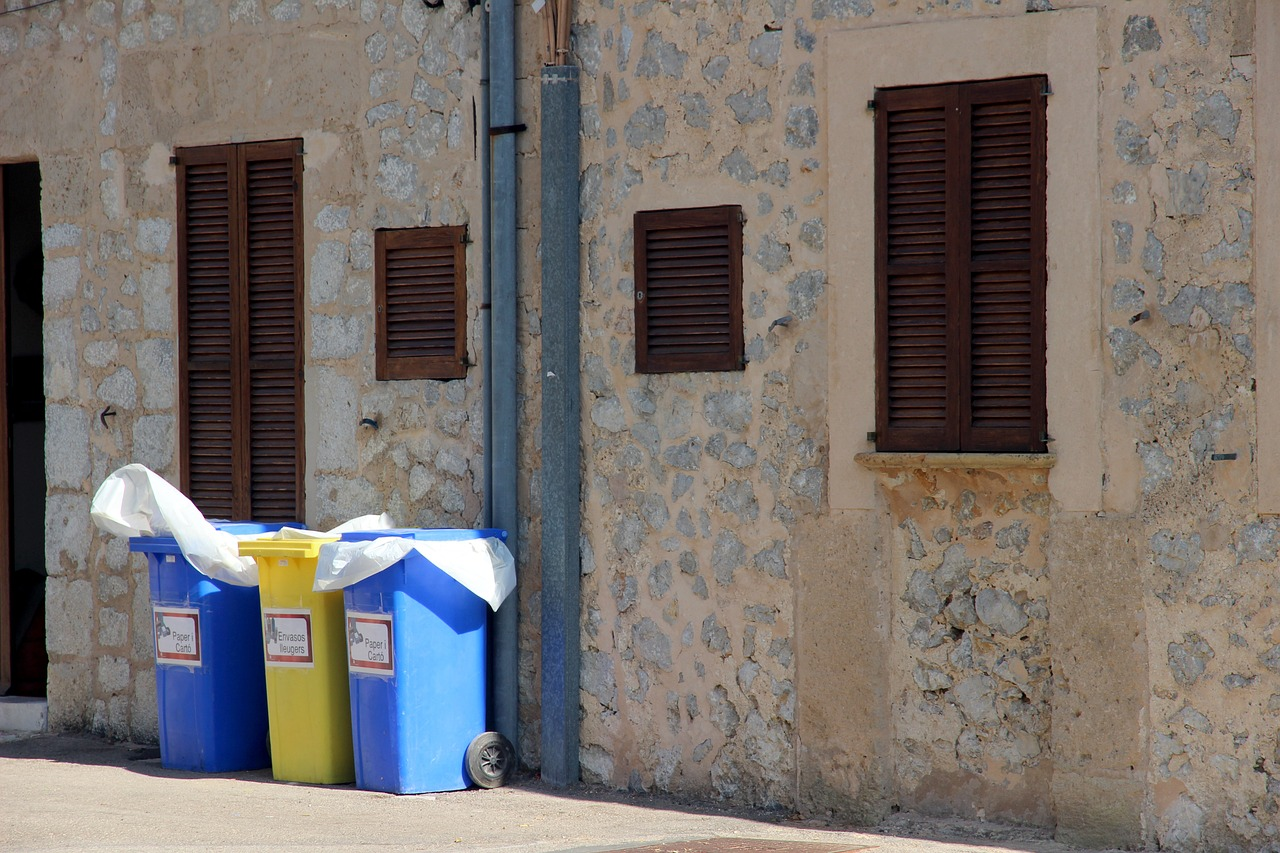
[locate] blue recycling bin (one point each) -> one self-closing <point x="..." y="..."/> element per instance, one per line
<point x="210" y="684"/>
<point x="416" y="655"/>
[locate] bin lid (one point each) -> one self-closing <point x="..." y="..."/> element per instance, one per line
<point x="296" y="548"/>
<point x="432" y="534"/>
<point x="169" y="545"/>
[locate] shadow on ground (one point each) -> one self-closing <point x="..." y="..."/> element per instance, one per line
<point x="144" y="760"/>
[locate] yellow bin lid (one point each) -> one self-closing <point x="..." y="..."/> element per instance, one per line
<point x="296" y="548"/>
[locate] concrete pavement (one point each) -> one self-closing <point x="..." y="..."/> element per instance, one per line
<point x="69" y="792"/>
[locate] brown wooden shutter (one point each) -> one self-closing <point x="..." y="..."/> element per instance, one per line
<point x="273" y="227"/>
<point x="915" y="354"/>
<point x="205" y="236"/>
<point x="421" y="303"/>
<point x="960" y="267"/>
<point x="239" y="239"/>
<point x="688" y="291"/>
<point x="1006" y="266"/>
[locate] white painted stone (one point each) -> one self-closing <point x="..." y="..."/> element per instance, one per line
<point x="101" y="353"/>
<point x="113" y="627"/>
<point x="62" y="235"/>
<point x="157" y="373"/>
<point x="66" y="443"/>
<point x="61" y="359"/>
<point x="153" y="441"/>
<point x="157" y="298"/>
<point x="328" y="271"/>
<point x="333" y="400"/>
<point x="119" y="389"/>
<point x="343" y="336"/>
<point x="153" y="236"/>
<point x="68" y="615"/>
<point x="66" y="533"/>
<point x="113" y="673"/>
<point x="61" y="281"/>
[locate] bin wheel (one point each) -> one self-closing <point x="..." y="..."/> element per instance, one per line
<point x="490" y="760"/>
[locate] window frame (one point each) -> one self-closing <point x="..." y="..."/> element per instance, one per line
<point x="960" y="434"/>
<point x="731" y="355"/>
<point x="392" y="367"/>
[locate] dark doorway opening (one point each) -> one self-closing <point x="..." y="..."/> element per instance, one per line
<point x="24" y="662"/>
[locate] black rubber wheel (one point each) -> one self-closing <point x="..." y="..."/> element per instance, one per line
<point x="490" y="760"/>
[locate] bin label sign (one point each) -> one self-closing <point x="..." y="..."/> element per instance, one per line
<point x="177" y="635"/>
<point x="287" y="634"/>
<point x="369" y="643"/>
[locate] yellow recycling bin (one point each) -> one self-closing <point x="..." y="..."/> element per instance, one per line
<point x="305" y="644"/>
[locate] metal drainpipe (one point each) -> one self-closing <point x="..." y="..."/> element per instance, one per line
<point x="486" y="277"/>
<point x="561" y="423"/>
<point x="503" y="356"/>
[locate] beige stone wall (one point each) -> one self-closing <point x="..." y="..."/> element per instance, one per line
<point x="100" y="93"/>
<point x="1091" y="646"/>
<point x="696" y="483"/>
<point x="1135" y="702"/>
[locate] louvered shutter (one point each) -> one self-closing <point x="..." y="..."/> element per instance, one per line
<point x="421" y="303"/>
<point x="205" y="236"/>
<point x="916" y="336"/>
<point x="961" y="267"/>
<point x="1006" y="266"/>
<point x="240" y="302"/>
<point x="272" y="275"/>
<point x="688" y="292"/>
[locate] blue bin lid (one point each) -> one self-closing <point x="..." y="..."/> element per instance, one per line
<point x="169" y="545"/>
<point x="435" y="534"/>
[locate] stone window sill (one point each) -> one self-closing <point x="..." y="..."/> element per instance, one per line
<point x="954" y="461"/>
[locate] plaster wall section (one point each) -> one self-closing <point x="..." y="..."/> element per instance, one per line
<point x="383" y="97"/>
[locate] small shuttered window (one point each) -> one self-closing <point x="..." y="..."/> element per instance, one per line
<point x="688" y="297"/>
<point x="421" y="283"/>
<point x="240" y="358"/>
<point x="960" y="259"/>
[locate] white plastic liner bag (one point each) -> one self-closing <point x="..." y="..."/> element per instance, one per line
<point x="136" y="501"/>
<point x="484" y="566"/>
<point x="364" y="522"/>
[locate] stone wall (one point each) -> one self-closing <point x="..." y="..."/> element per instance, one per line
<point x="695" y="482"/>
<point x="955" y="573"/>
<point x="975" y="715"/>
<point x="970" y="640"/>
<point x="100" y="93"/>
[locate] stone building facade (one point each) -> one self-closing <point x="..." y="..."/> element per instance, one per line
<point x="772" y="612"/>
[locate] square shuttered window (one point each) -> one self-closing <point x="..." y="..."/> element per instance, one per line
<point x="421" y="283"/>
<point x="960" y="260"/>
<point x="240" y="358"/>
<point x="688" y="298"/>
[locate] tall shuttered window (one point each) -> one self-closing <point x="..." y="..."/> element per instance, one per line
<point x="688" y="295"/>
<point x="240" y="356"/>
<point x="421" y="284"/>
<point x="960" y="260"/>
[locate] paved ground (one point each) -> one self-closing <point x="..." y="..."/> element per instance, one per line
<point x="63" y="792"/>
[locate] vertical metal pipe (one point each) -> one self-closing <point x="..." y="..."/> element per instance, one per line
<point x="504" y="354"/>
<point x="486" y="277"/>
<point x="561" y="423"/>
